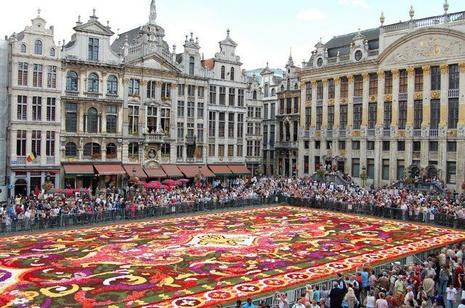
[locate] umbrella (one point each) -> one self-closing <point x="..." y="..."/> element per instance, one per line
<point x="169" y="182"/>
<point x="154" y="184"/>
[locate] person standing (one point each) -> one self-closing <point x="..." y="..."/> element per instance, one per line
<point x="451" y="295"/>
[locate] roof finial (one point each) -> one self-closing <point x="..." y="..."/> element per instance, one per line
<point x="267" y="64"/>
<point x="381" y="18"/>
<point x="227" y="32"/>
<point x="93" y="12"/>
<point x="39" y="11"/>
<point x="411" y="12"/>
<point x="192" y="36"/>
<point x="446" y="7"/>
<point x="79" y="18"/>
<point x="153" y="13"/>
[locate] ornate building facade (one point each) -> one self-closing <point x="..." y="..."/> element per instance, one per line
<point x="380" y="102"/>
<point x="3" y="116"/>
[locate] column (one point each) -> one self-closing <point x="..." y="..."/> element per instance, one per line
<point x="410" y="95"/>
<point x="337" y="97"/>
<point x="424" y="157"/>
<point x="442" y="149"/>
<point x="461" y="124"/>
<point x="366" y="99"/>
<point x="313" y="124"/>
<point x="380" y="100"/>
<point x="350" y="102"/>
<point x="395" y="97"/>
<point x="324" y="124"/>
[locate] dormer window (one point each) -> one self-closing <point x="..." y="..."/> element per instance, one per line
<point x="38" y="47"/>
<point x="52" y="52"/>
<point x="232" y="73"/>
<point x="223" y="72"/>
<point x="93" y="49"/>
<point x="319" y="62"/>
<point x="358" y="55"/>
<point x="191" y="65"/>
<point x="23" y="48"/>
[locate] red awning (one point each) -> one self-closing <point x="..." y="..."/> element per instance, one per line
<point x="135" y="170"/>
<point x="172" y="171"/>
<point x="239" y="169"/>
<point x="112" y="169"/>
<point x="190" y="171"/>
<point x="206" y="172"/>
<point x="79" y="170"/>
<point x="155" y="172"/>
<point x="220" y="170"/>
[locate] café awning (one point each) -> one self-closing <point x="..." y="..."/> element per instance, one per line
<point x="155" y="173"/>
<point x="110" y="169"/>
<point x="135" y="170"/>
<point x="220" y="170"/>
<point x="79" y="170"/>
<point x="239" y="169"/>
<point x="172" y="171"/>
<point x="206" y="172"/>
<point x="190" y="171"/>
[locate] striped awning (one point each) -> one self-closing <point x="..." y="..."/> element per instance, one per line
<point x="155" y="173"/>
<point x="135" y="170"/>
<point x="220" y="170"/>
<point x="79" y="169"/>
<point x="206" y="172"/>
<point x="239" y="169"/>
<point x="110" y="169"/>
<point x="190" y="171"/>
<point x="172" y="171"/>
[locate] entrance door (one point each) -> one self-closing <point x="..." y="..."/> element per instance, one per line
<point x="20" y="187"/>
<point x="340" y="166"/>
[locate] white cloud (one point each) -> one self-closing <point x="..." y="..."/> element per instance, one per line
<point x="311" y="15"/>
<point x="363" y="4"/>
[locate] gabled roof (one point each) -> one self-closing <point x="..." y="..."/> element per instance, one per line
<point x="118" y="44"/>
<point x="95" y="27"/>
<point x="346" y="39"/>
<point x="228" y="41"/>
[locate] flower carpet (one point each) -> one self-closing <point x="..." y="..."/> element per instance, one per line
<point x="200" y="261"/>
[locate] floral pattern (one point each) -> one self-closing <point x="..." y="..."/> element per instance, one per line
<point x="200" y="261"/>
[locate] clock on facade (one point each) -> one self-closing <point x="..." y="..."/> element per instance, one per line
<point x="358" y="55"/>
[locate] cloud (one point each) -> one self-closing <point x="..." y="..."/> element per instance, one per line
<point x="311" y="15"/>
<point x="362" y="4"/>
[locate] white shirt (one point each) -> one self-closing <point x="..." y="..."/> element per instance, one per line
<point x="451" y="294"/>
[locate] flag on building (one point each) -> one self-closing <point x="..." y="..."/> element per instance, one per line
<point x="31" y="157"/>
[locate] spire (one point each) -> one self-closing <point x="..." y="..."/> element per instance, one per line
<point x="38" y="12"/>
<point x="382" y="19"/>
<point x="290" y="61"/>
<point x="411" y="12"/>
<point x="446" y="7"/>
<point x="153" y="13"/>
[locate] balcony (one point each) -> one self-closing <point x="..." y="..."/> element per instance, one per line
<point x="329" y="133"/>
<point x="358" y="99"/>
<point x="417" y="133"/>
<point x="50" y="160"/>
<point x="319" y="102"/>
<point x="425" y="22"/>
<point x="71" y="93"/>
<point x="37" y="161"/>
<point x="286" y="144"/>
<point x="433" y="132"/>
<point x="402" y="96"/>
<point x="371" y="132"/>
<point x="387" y="132"/>
<point x="453" y="93"/>
<point x="190" y="140"/>
<point x="92" y="94"/>
<point x="342" y="132"/>
<point x="20" y="160"/>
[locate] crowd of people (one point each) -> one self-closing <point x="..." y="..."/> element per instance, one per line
<point x="437" y="281"/>
<point x="45" y="208"/>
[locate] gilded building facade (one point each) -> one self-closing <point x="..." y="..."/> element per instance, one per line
<point x="382" y="101"/>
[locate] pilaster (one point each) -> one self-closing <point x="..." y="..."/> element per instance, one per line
<point x="325" y="104"/>
<point x="337" y="98"/>
<point x="395" y="98"/>
<point x="313" y="124"/>
<point x="365" y="101"/>
<point x="426" y="96"/>
<point x="410" y="95"/>
<point x="380" y="106"/>
<point x="350" y="102"/>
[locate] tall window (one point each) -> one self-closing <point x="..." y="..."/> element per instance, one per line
<point x="231" y="125"/>
<point x="454" y="76"/>
<point x="92" y="150"/>
<point x="308" y="91"/>
<point x="112" y="119"/>
<point x="134" y="87"/>
<point x="36" y="142"/>
<point x="357" y="115"/>
<point x="435" y="78"/>
<point x="190" y="109"/>
<point x="330" y="117"/>
<point x="417" y="114"/>
<point x="22" y="73"/>
<point x="52" y="77"/>
<point x="453" y="110"/>
<point x="222" y="95"/>
<point x="72" y="81"/>
<point x="319" y="89"/>
<point x="180" y="109"/>
<point x="52" y="52"/>
<point x="385" y="169"/>
<point x="21" y="108"/>
<point x="358" y="85"/>
<point x="435" y="114"/>
<point x="213" y="95"/>
<point x="51" y="108"/>
<point x="165" y="120"/>
<point x="179" y="152"/>
<point x="112" y="85"/>
<point x="240" y="97"/>
<point x="191" y="65"/>
<point x="451" y="172"/>
<point x="331" y="89"/>
<point x="355" y="167"/>
<point x="223" y="72"/>
<point x="201" y="92"/>
<point x="152" y="119"/>
<point x="92" y="83"/>
<point x="402" y="114"/>
<point x="93" y="49"/>
<point x="221" y="124"/>
<point x="371" y="168"/>
<point x="36" y="108"/>
<point x="71" y="117"/>
<point x="372" y="110"/>
<point x="191" y="90"/>
<point x="343" y="116"/>
<point x="165" y="90"/>
<point x="308" y="117"/>
<point x="70" y="149"/>
<point x="133" y="120"/>
<point x="111" y="151"/>
<point x="37" y="75"/>
<point x="200" y="110"/>
<point x="387" y="114"/>
<point x="200" y="132"/>
<point x="249" y="148"/>
<point x="21" y="143"/>
<point x="23" y="48"/>
<point x="133" y="150"/>
<point x="388" y="82"/>
<point x="212" y="124"/>
<point x="232" y="73"/>
<point x="373" y="85"/>
<point x="50" y="143"/>
<point x="319" y="117"/>
<point x="403" y="81"/>
<point x="151" y="89"/>
<point x="240" y="125"/>
<point x="344" y="87"/>
<point x="92" y="120"/>
<point x="38" y="47"/>
<point x="232" y="96"/>
<point x="181" y="90"/>
<point x="418" y="79"/>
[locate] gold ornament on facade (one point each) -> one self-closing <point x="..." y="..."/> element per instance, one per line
<point x="388" y="97"/>
<point x="452" y="133"/>
<point x="350" y="78"/>
<point x="418" y="95"/>
<point x="435" y="94"/>
<point x="337" y="80"/>
<point x="313" y="83"/>
<point x="410" y="70"/>
<point x="318" y="134"/>
<point x="395" y="73"/>
<point x="343" y="101"/>
<point x="331" y="101"/>
<point x="401" y="133"/>
<point x="444" y="68"/>
<point x="325" y="82"/>
<point x="365" y="75"/>
<point x="355" y="133"/>
<point x="380" y="74"/>
<point x="426" y="69"/>
<point x="462" y="67"/>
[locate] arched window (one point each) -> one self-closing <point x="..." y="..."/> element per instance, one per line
<point x="52" y="52"/>
<point x="111" y="151"/>
<point x="38" y="47"/>
<point x="70" y="149"/>
<point x="282" y="88"/>
<point x="133" y="150"/>
<point x="23" y="48"/>
<point x="296" y="86"/>
<point x="92" y="83"/>
<point x="267" y="90"/>
<point x="112" y="85"/>
<point x="232" y="73"/>
<point x="254" y="95"/>
<point x="92" y="120"/>
<point x="191" y="65"/>
<point x="72" y="81"/>
<point x="273" y="92"/>
<point x="92" y="150"/>
<point x="223" y="72"/>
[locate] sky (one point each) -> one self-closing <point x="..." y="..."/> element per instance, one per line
<point x="266" y="30"/>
